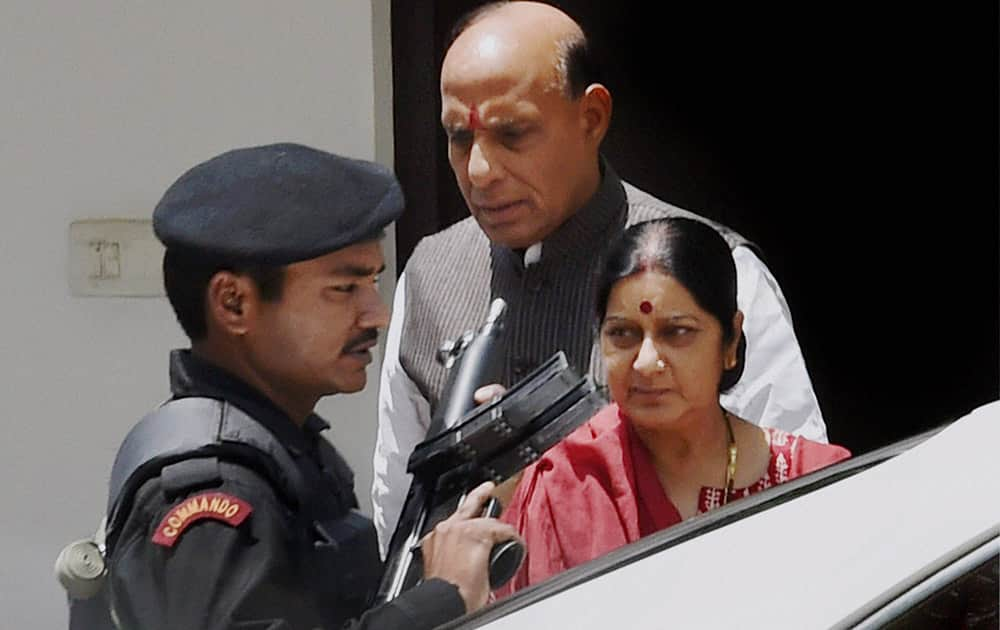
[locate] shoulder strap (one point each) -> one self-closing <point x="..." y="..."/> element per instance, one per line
<point x="190" y="428"/>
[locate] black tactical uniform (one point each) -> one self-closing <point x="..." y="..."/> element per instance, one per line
<point x="223" y="512"/>
<point x="289" y="564"/>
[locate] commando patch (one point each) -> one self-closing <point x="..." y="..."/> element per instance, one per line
<point x="215" y="505"/>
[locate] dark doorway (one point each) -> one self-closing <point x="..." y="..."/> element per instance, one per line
<point x="856" y="144"/>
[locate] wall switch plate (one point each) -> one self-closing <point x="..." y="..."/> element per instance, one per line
<point x="115" y="258"/>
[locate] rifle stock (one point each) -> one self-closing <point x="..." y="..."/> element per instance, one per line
<point x="475" y="360"/>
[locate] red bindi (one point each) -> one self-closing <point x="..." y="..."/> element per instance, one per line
<point x="474" y="122"/>
<point x="646" y="307"/>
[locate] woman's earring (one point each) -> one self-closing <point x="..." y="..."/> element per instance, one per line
<point x="661" y="364"/>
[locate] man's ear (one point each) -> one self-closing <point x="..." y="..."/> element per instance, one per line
<point x="229" y="302"/>
<point x="595" y="105"/>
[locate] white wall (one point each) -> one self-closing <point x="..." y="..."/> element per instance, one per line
<point x="104" y="104"/>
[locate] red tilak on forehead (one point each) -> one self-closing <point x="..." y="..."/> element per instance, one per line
<point x="474" y="122"/>
<point x="646" y="307"/>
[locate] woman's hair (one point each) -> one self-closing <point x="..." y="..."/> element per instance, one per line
<point x="691" y="252"/>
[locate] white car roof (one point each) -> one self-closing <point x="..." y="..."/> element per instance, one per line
<point x="812" y="562"/>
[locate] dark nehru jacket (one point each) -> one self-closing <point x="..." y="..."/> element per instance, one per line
<point x="453" y="275"/>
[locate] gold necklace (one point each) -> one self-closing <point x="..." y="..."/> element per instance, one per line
<point x="732" y="452"/>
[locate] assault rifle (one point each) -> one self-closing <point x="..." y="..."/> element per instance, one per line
<point x="467" y="445"/>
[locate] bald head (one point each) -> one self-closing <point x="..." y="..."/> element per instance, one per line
<point x="524" y="122"/>
<point x="525" y="33"/>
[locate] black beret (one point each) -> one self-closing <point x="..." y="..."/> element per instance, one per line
<point x="275" y="205"/>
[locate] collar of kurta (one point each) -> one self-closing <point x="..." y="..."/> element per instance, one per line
<point x="193" y="376"/>
<point x="585" y="232"/>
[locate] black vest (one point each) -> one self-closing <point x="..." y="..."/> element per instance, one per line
<point x="453" y="275"/>
<point x="186" y="438"/>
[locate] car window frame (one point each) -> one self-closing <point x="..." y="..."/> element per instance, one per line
<point x="918" y="588"/>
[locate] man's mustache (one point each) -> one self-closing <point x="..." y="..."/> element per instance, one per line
<point x="366" y="337"/>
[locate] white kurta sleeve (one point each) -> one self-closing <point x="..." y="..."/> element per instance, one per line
<point x="403" y="420"/>
<point x="775" y="390"/>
